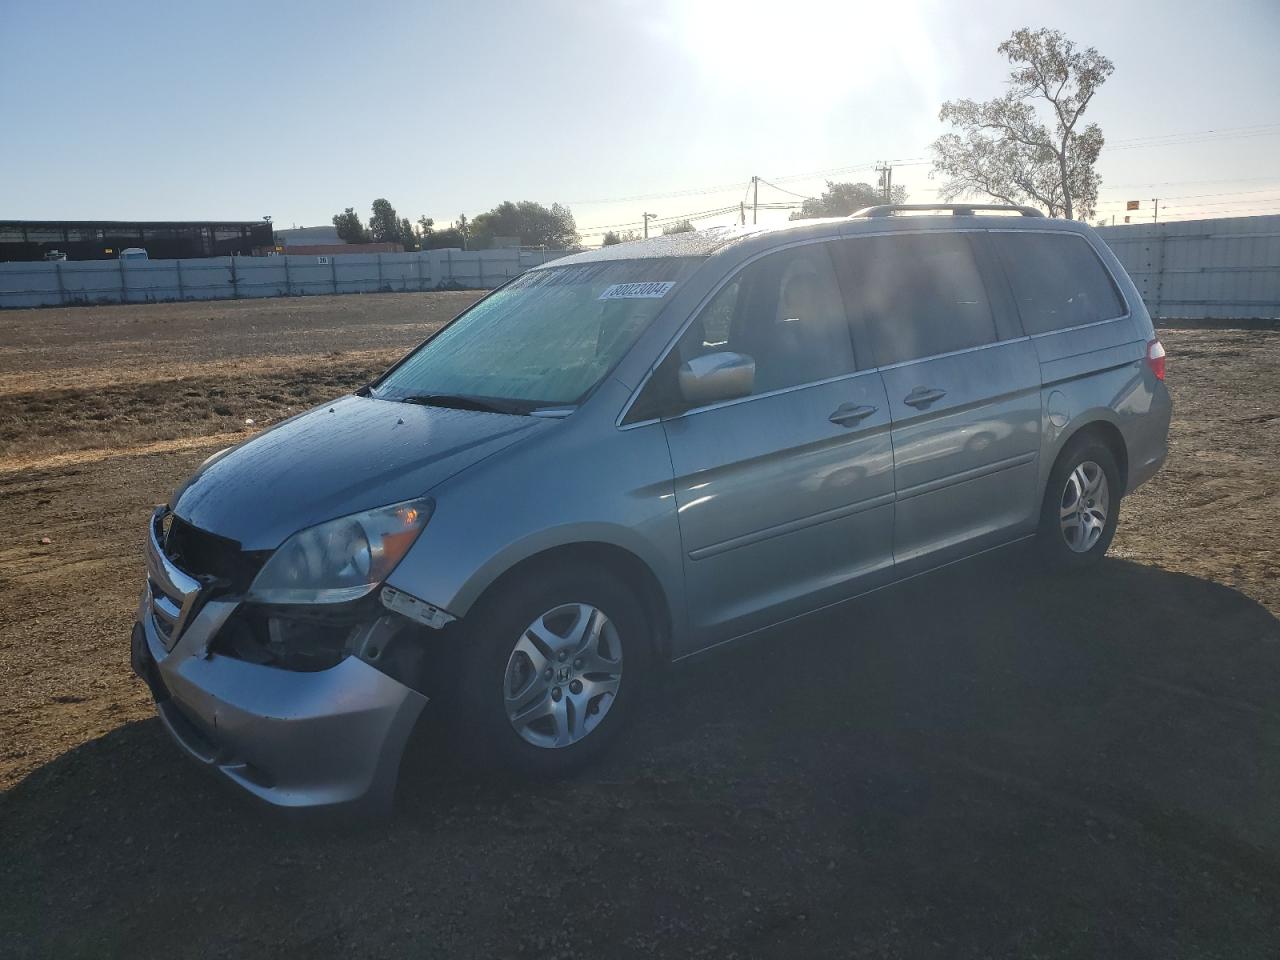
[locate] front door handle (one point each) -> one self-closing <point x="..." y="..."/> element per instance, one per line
<point x="847" y="414"/>
<point x="923" y="396"/>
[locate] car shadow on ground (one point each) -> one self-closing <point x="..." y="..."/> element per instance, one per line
<point x="982" y="762"/>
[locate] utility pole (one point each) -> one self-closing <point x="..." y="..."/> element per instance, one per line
<point x="886" y="181"/>
<point x="1155" y="214"/>
<point x="755" y="198"/>
<point x="647" y="218"/>
<point x="742" y="213"/>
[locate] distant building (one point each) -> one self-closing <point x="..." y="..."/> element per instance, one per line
<point x="338" y="249"/>
<point x="162" y="239"/>
<point x="324" y="241"/>
<point x="308" y="236"/>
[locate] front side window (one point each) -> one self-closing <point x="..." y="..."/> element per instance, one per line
<point x="544" y="340"/>
<point x="918" y="295"/>
<point x="1057" y="280"/>
<point x="785" y="312"/>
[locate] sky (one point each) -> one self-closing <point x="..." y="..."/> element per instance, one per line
<point x="238" y="110"/>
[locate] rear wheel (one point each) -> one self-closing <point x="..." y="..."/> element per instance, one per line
<point x="553" y="667"/>
<point x="1081" y="505"/>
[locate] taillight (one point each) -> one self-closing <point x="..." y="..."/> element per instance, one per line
<point x="1155" y="358"/>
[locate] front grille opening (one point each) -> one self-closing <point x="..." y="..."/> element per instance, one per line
<point x="163" y="628"/>
<point x="206" y="555"/>
<point x="158" y="591"/>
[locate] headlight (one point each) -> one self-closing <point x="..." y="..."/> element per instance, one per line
<point x="342" y="559"/>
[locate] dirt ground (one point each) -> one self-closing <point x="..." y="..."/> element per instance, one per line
<point x="1083" y="768"/>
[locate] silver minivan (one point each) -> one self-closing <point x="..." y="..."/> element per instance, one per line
<point x="627" y="457"/>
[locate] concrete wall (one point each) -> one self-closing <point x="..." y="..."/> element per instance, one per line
<point x="1227" y="269"/>
<point x="222" y="278"/>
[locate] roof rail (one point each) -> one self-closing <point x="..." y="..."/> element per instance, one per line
<point x="957" y="209"/>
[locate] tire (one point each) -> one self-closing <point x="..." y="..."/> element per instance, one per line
<point x="577" y="711"/>
<point x="1070" y="536"/>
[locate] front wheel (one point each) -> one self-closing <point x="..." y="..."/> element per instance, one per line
<point x="1081" y="505"/>
<point x="553" y="666"/>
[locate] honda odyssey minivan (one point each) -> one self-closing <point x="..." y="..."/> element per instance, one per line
<point x="627" y="457"/>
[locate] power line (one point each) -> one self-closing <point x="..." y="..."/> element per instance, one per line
<point x="1260" y="204"/>
<point x="1256" y="130"/>
<point x="1194" y="141"/>
<point x="1188" y="137"/>
<point x="1197" y="196"/>
<point x="692" y="191"/>
<point x="829" y="172"/>
<point x="656" y="221"/>
<point x="1166" y="183"/>
<point x="784" y="190"/>
<point x="1172" y="139"/>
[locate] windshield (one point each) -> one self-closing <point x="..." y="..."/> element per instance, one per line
<point x="544" y="340"/>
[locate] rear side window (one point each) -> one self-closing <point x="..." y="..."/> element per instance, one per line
<point x="918" y="295"/>
<point x="1057" y="280"/>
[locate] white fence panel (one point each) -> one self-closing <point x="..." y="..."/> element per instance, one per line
<point x="400" y="271"/>
<point x="222" y="278"/>
<point x="207" y="279"/>
<point x="260" y="276"/>
<point x="149" y="281"/>
<point x="28" y="285"/>
<point x="1226" y="269"/>
<point x="357" y="273"/>
<point x="309" y="276"/>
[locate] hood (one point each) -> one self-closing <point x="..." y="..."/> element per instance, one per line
<point x="341" y="458"/>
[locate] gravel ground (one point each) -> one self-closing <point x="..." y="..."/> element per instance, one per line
<point x="1083" y="768"/>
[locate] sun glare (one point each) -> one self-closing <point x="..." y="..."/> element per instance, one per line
<point x="812" y="52"/>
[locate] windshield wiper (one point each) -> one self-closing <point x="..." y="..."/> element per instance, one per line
<point x="457" y="401"/>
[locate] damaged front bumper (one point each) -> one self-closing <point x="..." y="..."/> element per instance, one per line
<point x="291" y="738"/>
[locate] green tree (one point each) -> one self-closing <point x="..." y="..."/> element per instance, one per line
<point x="384" y="225"/>
<point x="407" y="236"/>
<point x="613" y="237"/>
<point x="349" y="227"/>
<point x="1004" y="149"/>
<point x="534" y="224"/>
<point x="448" y="237"/>
<point x="842" y="199"/>
<point x="426" y="226"/>
<point x="680" y="226"/>
<point x="451" y="236"/>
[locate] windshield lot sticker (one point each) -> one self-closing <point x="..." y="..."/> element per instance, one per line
<point x="653" y="290"/>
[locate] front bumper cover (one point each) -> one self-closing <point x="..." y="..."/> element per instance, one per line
<point x="293" y="739"/>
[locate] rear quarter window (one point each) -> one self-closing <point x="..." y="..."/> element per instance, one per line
<point x="1057" y="280"/>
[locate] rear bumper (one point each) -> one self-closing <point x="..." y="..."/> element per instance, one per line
<point x="1149" y="448"/>
<point x="291" y="739"/>
<point x="1140" y="473"/>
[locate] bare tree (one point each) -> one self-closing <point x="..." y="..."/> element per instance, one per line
<point x="1003" y="148"/>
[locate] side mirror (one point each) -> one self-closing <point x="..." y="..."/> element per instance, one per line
<point x="713" y="377"/>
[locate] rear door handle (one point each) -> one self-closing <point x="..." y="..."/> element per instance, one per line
<point x="923" y="396"/>
<point x="847" y="414"/>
